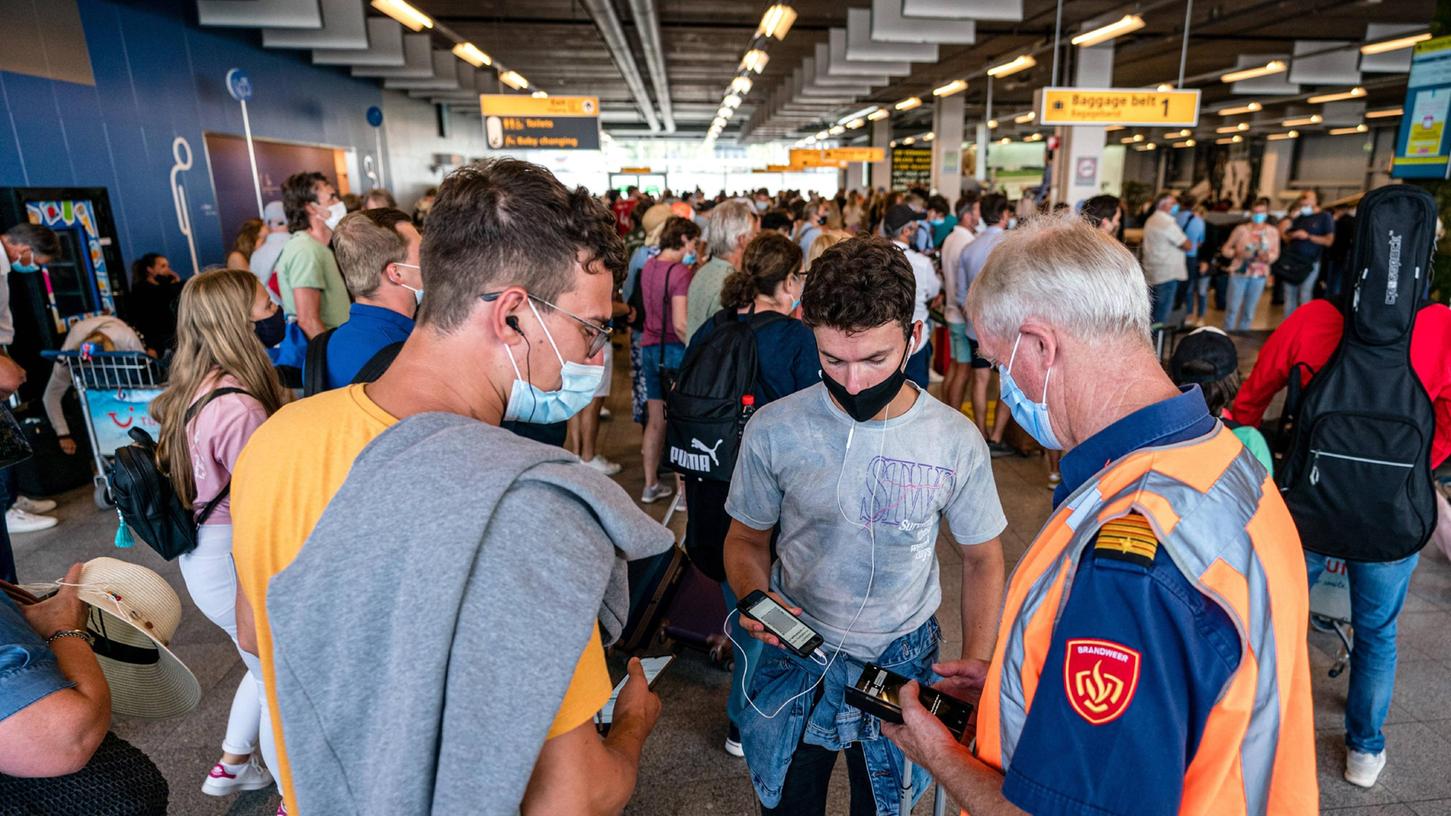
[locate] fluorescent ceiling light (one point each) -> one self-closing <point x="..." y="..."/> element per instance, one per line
<point x="1025" y="118"/>
<point x="755" y="60"/>
<point x="909" y="103"/>
<point x="540" y="95"/>
<point x="514" y="80"/>
<point x="950" y="88"/>
<point x="470" y="53"/>
<point x="1233" y="128"/>
<point x="1394" y="45"/>
<point x="1184" y="132"/>
<point x="1113" y="128"/>
<point x="1033" y="137"/>
<point x="1005" y="140"/>
<point x="992" y="124"/>
<point x="1189" y="143"/>
<point x="1383" y="113"/>
<point x="856" y="123"/>
<point x="1313" y="119"/>
<point x="718" y="123"/>
<point x="1346" y="131"/>
<point x="776" y="22"/>
<point x="822" y="136"/>
<point x="909" y="140"/>
<point x="1143" y="147"/>
<point x="927" y="137"/>
<point x="1164" y="86"/>
<point x="811" y="140"/>
<point x="1354" y="93"/>
<point x="1127" y="24"/>
<point x="409" y="16"/>
<point x="858" y="114"/>
<point x="724" y="112"/>
<point x="1236" y="139"/>
<point x="741" y="85"/>
<point x="1271" y="67"/>
<point x="1013" y="66"/>
<point x="837" y="130"/>
<point x="1253" y="107"/>
<point x="1126" y="140"/>
<point x="1289" y="134"/>
<point x="878" y="115"/>
<point x="892" y="143"/>
<point x="731" y="101"/>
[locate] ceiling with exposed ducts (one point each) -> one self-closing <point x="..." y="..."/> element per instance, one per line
<point x="662" y="68"/>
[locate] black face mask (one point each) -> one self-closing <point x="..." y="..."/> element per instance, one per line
<point x="270" y="329"/>
<point x="868" y="402"/>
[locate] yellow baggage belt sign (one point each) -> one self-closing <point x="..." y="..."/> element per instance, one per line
<point x="522" y="105"/>
<point x="1118" y="106"/>
<point x="835" y="156"/>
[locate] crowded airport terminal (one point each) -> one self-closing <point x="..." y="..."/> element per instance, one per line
<point x="730" y="407"/>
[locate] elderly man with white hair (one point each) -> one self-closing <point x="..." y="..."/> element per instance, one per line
<point x="731" y="226"/>
<point x="1151" y="657"/>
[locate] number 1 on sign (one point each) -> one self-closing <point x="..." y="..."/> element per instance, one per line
<point x="1166" y="106"/>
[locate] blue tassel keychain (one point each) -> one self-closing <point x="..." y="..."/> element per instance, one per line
<point x="123" y="534"/>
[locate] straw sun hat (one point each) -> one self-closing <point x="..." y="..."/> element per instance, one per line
<point x="134" y="613"/>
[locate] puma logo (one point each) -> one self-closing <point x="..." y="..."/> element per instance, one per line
<point x="700" y="446"/>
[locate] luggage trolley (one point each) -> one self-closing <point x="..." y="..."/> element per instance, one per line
<point x="115" y="388"/>
<point x="1330" y="609"/>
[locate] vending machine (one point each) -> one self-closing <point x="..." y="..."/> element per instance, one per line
<point x="86" y="278"/>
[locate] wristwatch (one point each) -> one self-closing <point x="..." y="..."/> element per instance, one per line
<point x="70" y="633"/>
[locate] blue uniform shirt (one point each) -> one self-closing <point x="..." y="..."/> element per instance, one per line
<point x="1188" y="649"/>
<point x="369" y="330"/>
<point x="786" y="357"/>
<point x="28" y="669"/>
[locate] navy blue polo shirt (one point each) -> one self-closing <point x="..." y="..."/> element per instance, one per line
<point x="369" y="330"/>
<point x="1187" y="649"/>
<point x="785" y="356"/>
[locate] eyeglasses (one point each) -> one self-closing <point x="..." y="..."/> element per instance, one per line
<point x="599" y="335"/>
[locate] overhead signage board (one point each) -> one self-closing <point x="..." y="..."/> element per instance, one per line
<point x="911" y="167"/>
<point x="836" y="156"/>
<point x="519" y="122"/>
<point x="1129" y="107"/>
<point x="1421" y="145"/>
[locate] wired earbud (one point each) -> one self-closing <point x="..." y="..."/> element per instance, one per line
<point x="513" y="322"/>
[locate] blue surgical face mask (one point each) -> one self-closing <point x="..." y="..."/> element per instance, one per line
<point x="1174" y="210"/>
<point x="937" y="222"/>
<point x="688" y="259"/>
<point x="529" y="403"/>
<point x="1307" y="210"/>
<point x="31" y="267"/>
<point x="1260" y="218"/>
<point x="1032" y="416"/>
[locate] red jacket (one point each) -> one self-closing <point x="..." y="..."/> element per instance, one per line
<point x="1312" y="333"/>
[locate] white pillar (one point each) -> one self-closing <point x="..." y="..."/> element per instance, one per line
<point x="1079" y="171"/>
<point x="947" y="126"/>
<point x="881" y="175"/>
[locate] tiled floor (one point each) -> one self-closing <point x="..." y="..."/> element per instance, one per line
<point x="686" y="772"/>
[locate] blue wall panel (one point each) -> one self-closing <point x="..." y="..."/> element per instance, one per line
<point x="160" y="76"/>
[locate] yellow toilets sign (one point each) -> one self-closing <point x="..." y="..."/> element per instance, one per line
<point x="1118" y="106"/>
<point x="516" y="121"/>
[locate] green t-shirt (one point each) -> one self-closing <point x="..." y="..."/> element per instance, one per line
<point x="308" y="264"/>
<point x="1255" y="442"/>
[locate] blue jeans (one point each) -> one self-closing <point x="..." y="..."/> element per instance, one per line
<point x="1162" y="295"/>
<point x="752" y="648"/>
<point x="782" y="686"/>
<point x="1242" y="299"/>
<point x="1298" y="294"/>
<point x="919" y="365"/>
<point x="1196" y="299"/>
<point x="651" y="360"/>
<point x="1377" y="593"/>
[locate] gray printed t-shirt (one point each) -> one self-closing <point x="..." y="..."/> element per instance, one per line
<point x="795" y="468"/>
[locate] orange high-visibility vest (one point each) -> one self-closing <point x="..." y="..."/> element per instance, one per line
<point x="1217" y="513"/>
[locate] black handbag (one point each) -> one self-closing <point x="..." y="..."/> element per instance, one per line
<point x="1292" y="269"/>
<point x="14" y="447"/>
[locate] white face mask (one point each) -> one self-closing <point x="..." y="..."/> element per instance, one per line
<point x="335" y="214"/>
<point x="1012" y="223"/>
<point x="417" y="293"/>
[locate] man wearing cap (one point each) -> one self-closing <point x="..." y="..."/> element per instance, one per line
<point x="263" y="262"/>
<point x="1151" y="657"/>
<point x="901" y="224"/>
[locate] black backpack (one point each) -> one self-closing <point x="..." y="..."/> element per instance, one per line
<point x="145" y="498"/>
<point x="703" y="411"/>
<point x="314" y="380"/>
<point x="1357" y="478"/>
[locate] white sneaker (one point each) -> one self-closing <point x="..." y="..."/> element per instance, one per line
<point x="604" y="465"/>
<point x="650" y="495"/>
<point x="605" y="414"/>
<point x="1364" y="769"/>
<point x="251" y="776"/>
<point x="19" y="521"/>
<point x="34" y="506"/>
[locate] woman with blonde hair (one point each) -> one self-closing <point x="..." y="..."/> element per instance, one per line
<point x="220" y="389"/>
<point x="826" y="240"/>
<point x="249" y="237"/>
